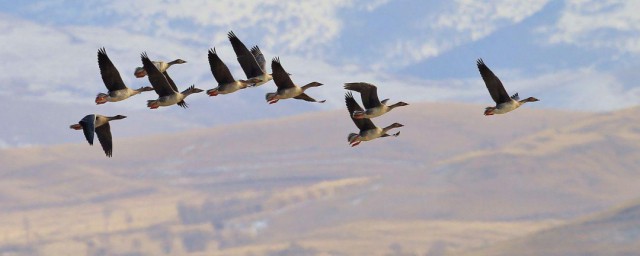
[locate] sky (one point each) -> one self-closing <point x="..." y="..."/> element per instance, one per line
<point x="573" y="55"/>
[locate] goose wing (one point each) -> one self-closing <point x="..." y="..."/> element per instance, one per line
<point x="158" y="80"/>
<point x="104" y="136"/>
<point x="368" y="93"/>
<point x="280" y="76"/>
<point x="262" y="62"/>
<point x="88" y="124"/>
<point x="495" y="87"/>
<point x="245" y="57"/>
<point x="170" y="81"/>
<point x="110" y="75"/>
<point x="352" y="105"/>
<point x="219" y="70"/>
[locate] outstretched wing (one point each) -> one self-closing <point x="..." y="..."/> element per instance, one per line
<point x="158" y="80"/>
<point x="219" y="70"/>
<point x="262" y="62"/>
<point x="110" y="75"/>
<point x="280" y="76"/>
<point x="245" y="57"/>
<point x="104" y="136"/>
<point x="88" y="127"/>
<point x="352" y="105"/>
<point x="368" y="93"/>
<point x="170" y="81"/>
<point x="495" y="87"/>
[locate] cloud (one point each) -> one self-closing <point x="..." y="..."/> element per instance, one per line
<point x="300" y="26"/>
<point x="459" y="22"/>
<point x="596" y="24"/>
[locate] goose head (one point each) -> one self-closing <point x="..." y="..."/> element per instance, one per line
<point x="399" y="104"/>
<point x="177" y="61"/>
<point x="140" y="72"/>
<point x="252" y="81"/>
<point x="118" y="117"/>
<point x="145" y="89"/>
<point x="272" y="97"/>
<point x="393" y="125"/>
<point x="102" y="98"/>
<point x="530" y="99"/>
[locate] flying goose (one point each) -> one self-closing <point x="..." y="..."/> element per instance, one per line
<point x="256" y="74"/>
<point x="161" y="65"/>
<point x="368" y="130"/>
<point x="286" y="88"/>
<point x="369" y="95"/>
<point x="226" y="82"/>
<point x="504" y="103"/>
<point x="165" y="87"/>
<point x="117" y="90"/>
<point x="100" y="125"/>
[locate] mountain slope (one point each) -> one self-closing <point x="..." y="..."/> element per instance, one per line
<point x="255" y="186"/>
<point x="614" y="232"/>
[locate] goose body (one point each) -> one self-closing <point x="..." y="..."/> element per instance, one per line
<point x="251" y="61"/>
<point x="117" y="90"/>
<point x="506" y="107"/>
<point x="165" y="87"/>
<point x="226" y="83"/>
<point x="286" y="88"/>
<point x="227" y="88"/>
<point x="504" y="102"/>
<point x="368" y="130"/>
<point x="165" y="101"/>
<point x="369" y="95"/>
<point x="99" y="125"/>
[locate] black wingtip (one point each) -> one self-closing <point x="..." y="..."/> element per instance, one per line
<point x="348" y="95"/>
<point x="102" y="51"/>
<point x="231" y="34"/>
<point x="276" y="59"/>
<point x="212" y="50"/>
<point x="255" y="48"/>
<point x="144" y="55"/>
<point x="480" y="62"/>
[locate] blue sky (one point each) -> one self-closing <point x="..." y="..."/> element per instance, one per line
<point x="573" y="55"/>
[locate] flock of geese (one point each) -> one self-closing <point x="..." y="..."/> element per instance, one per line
<point x="253" y="64"/>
